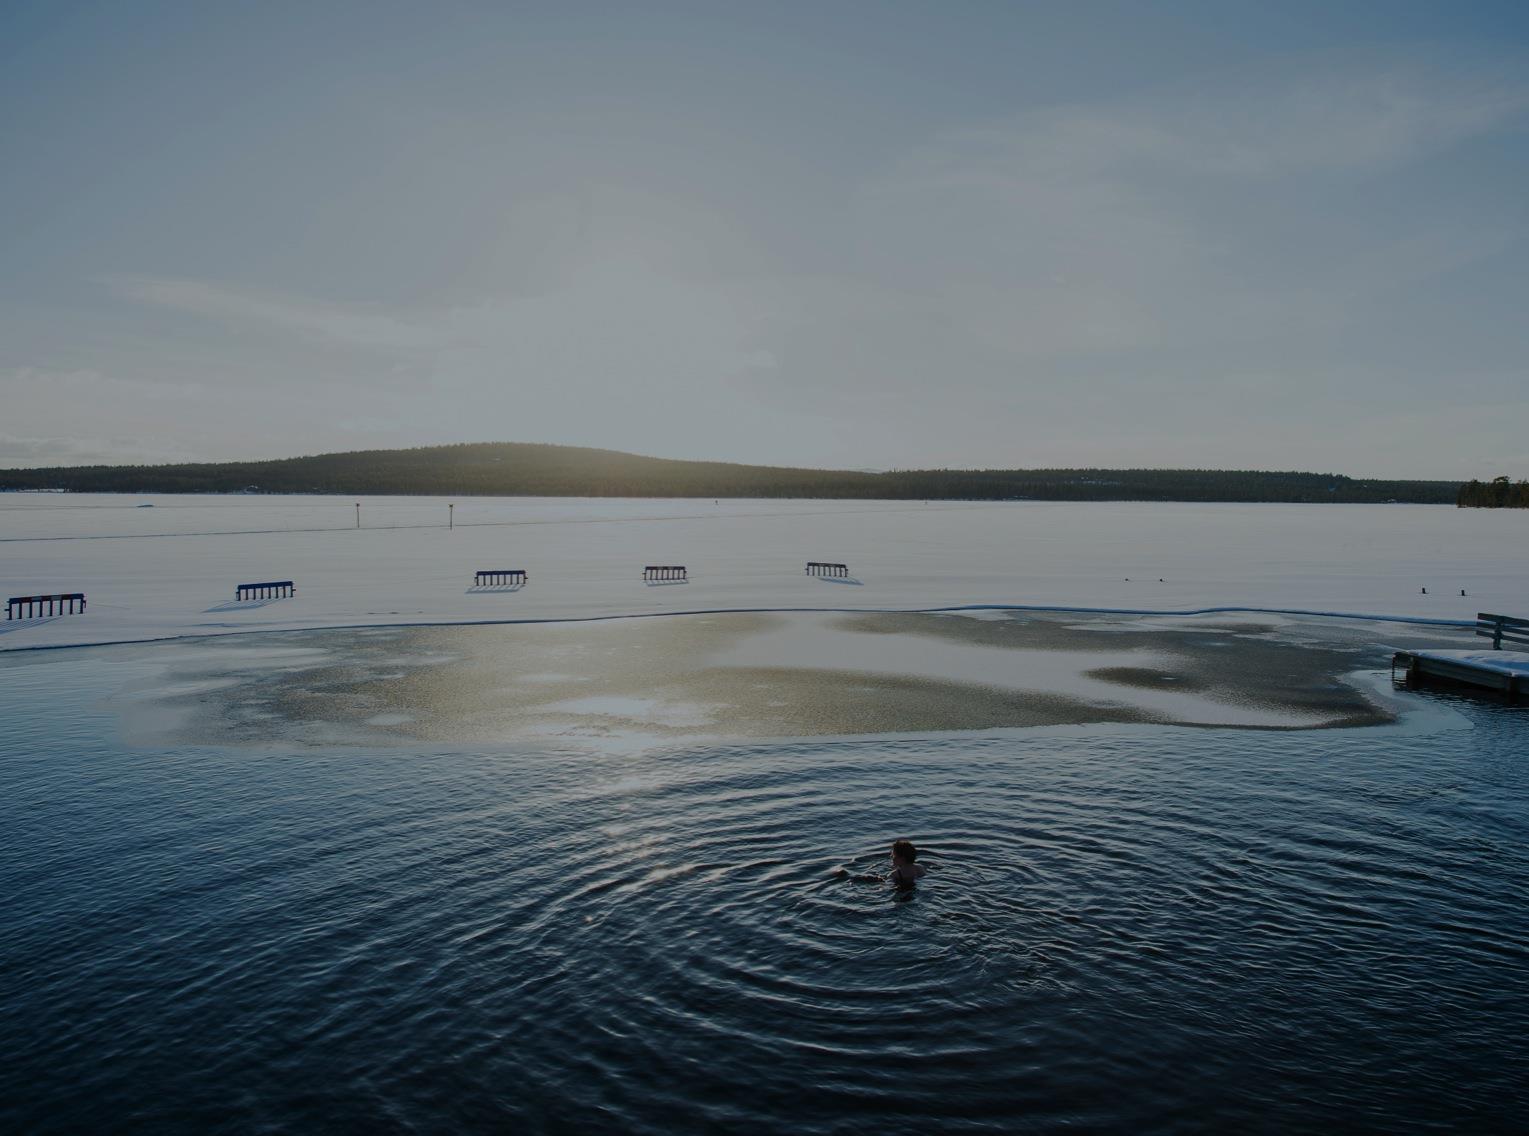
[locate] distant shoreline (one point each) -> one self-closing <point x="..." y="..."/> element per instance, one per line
<point x="518" y="469"/>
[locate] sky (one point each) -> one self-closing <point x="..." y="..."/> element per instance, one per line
<point x="863" y="236"/>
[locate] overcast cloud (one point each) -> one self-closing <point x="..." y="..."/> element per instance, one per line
<point x="856" y="236"/>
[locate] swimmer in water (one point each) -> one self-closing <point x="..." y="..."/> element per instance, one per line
<point x="906" y="871"/>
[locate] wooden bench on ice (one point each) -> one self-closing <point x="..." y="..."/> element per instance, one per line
<point x="500" y="577"/>
<point x="826" y="568"/>
<point x="25" y="607"/>
<point x="271" y="589"/>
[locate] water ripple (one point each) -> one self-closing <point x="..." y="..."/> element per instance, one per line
<point x="1125" y="929"/>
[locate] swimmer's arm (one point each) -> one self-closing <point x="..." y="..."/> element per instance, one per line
<point x="858" y="877"/>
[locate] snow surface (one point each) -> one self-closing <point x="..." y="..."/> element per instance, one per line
<point x="1503" y="662"/>
<point x="170" y="571"/>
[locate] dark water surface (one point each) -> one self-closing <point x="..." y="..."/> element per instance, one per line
<point x="1124" y="928"/>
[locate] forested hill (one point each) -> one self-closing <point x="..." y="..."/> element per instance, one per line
<point x="523" y="469"/>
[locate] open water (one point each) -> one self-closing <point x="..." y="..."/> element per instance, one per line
<point x="1123" y="928"/>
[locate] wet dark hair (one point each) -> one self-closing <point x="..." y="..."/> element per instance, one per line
<point x="904" y="850"/>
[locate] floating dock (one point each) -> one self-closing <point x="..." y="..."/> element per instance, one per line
<point x="1505" y="671"/>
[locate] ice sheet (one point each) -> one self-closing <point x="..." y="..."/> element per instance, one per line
<point x="170" y="571"/>
<point x="804" y="641"/>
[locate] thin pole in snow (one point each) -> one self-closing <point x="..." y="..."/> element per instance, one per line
<point x="358" y="514"/>
<point x="451" y="521"/>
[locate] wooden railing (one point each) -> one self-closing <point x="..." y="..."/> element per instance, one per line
<point x="1500" y="627"/>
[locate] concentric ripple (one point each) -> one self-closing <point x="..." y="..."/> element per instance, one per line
<point x="1127" y="929"/>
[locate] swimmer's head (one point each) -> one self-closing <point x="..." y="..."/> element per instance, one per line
<point x="904" y="852"/>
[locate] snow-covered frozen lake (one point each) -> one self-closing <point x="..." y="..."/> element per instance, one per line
<point x="170" y="570"/>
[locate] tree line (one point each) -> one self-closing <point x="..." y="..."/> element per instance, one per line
<point x="1499" y="493"/>
<point x="526" y="469"/>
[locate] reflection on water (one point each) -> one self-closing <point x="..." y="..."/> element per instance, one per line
<point x="1124" y="928"/>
